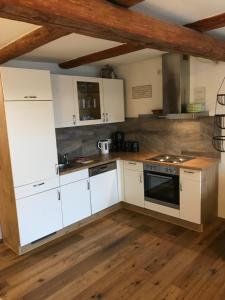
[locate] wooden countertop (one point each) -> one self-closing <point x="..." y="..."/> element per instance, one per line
<point x="198" y="163"/>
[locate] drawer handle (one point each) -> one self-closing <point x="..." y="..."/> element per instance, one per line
<point x="189" y="172"/>
<point x="39" y="184"/>
<point x="30" y="97"/>
<point x="132" y="163"/>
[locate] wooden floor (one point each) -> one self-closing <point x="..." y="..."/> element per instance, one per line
<point x="123" y="256"/>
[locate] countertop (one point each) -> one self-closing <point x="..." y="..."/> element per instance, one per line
<point x="197" y="163"/>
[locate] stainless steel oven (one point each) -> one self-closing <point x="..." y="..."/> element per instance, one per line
<point x="161" y="185"/>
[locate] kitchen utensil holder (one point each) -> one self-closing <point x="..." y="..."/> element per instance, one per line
<point x="219" y="143"/>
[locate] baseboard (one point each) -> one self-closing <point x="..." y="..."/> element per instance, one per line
<point x="162" y="217"/>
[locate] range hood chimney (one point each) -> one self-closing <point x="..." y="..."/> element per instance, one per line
<point x="176" y="83"/>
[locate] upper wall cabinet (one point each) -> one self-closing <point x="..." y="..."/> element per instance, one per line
<point x="89" y="100"/>
<point x="86" y="100"/>
<point x="113" y="100"/>
<point x="26" y="84"/>
<point x="64" y="104"/>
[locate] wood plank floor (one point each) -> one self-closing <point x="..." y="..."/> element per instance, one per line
<point x="123" y="256"/>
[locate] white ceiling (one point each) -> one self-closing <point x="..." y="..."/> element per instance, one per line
<point x="74" y="45"/>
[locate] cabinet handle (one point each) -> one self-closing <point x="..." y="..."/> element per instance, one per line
<point x="59" y="195"/>
<point x="189" y="172"/>
<point x="107" y="117"/>
<point x="141" y="178"/>
<point x="181" y="187"/>
<point x="74" y="120"/>
<point x="38" y="184"/>
<point x="103" y="117"/>
<point x="88" y="185"/>
<point x="132" y="163"/>
<point x="30" y="97"/>
<point x="56" y="169"/>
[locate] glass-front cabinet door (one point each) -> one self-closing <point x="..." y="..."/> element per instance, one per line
<point x="89" y="100"/>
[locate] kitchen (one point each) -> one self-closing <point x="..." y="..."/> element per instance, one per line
<point x="106" y="161"/>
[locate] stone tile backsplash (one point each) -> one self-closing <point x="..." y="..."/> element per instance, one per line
<point x="190" y="137"/>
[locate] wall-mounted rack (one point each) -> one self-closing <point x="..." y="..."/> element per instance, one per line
<point x="218" y="141"/>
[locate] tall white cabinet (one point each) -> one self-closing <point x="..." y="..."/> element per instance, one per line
<point x="33" y="152"/>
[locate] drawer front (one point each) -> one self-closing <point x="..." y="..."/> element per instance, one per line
<point x="133" y="165"/>
<point x="74" y="176"/>
<point x="190" y="174"/>
<point x="36" y="187"/>
<point x="163" y="209"/>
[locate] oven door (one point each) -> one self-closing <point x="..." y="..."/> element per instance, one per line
<point x="162" y="189"/>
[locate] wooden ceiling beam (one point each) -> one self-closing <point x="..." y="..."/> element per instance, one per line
<point x="208" y="24"/>
<point x="44" y="35"/>
<point x="120" y="25"/>
<point x="29" y="42"/>
<point x="97" y="56"/>
<point x="201" y="25"/>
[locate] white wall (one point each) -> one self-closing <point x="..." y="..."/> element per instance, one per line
<point x="142" y="73"/>
<point x="203" y="73"/>
<point x="210" y="74"/>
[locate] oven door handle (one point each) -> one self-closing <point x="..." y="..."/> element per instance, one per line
<point x="155" y="175"/>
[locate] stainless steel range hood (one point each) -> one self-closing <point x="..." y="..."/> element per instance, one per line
<point x="176" y="86"/>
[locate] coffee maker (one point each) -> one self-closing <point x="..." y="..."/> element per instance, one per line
<point x="118" y="141"/>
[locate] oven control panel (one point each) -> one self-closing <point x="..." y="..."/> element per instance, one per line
<point x="161" y="169"/>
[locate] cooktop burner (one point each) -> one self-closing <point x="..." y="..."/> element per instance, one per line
<point x="175" y="159"/>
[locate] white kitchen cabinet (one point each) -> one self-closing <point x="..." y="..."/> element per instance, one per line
<point x="113" y="100"/>
<point x="104" y="190"/>
<point x="76" y="203"/>
<point x="190" y="195"/>
<point x="88" y="100"/>
<point x="38" y="216"/>
<point x="26" y="84"/>
<point x="32" y="141"/>
<point x="133" y="183"/>
<point x="64" y="101"/>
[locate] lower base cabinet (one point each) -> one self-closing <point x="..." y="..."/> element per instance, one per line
<point x="134" y="187"/>
<point x="190" y="196"/>
<point x="76" y="203"/>
<point x="39" y="215"/>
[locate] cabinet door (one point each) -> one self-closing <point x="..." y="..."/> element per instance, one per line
<point x="113" y="100"/>
<point x="104" y="190"/>
<point x="75" y="202"/>
<point x="39" y="216"/>
<point x="190" y="200"/>
<point x="63" y="101"/>
<point x="26" y="84"/>
<point x="89" y="100"/>
<point x="134" y="187"/>
<point x="32" y="141"/>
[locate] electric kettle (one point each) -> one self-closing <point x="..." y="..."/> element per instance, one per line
<point x="103" y="145"/>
